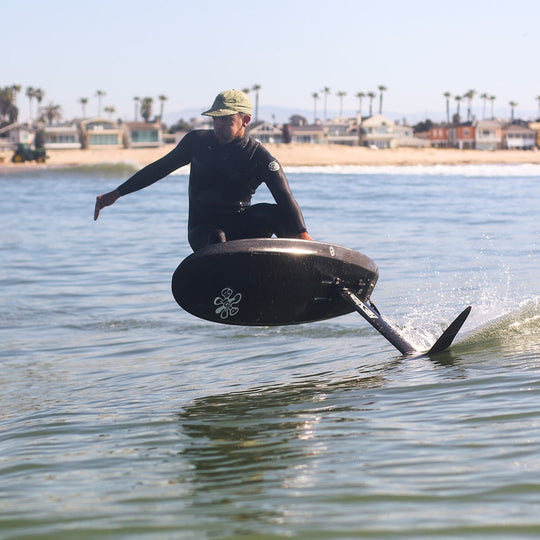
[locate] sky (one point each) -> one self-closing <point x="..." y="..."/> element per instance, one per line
<point x="190" y="50"/>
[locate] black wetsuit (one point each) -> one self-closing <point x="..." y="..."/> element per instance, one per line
<point x="222" y="180"/>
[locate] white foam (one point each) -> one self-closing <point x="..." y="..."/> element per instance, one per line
<point x="486" y="171"/>
<point x="498" y="170"/>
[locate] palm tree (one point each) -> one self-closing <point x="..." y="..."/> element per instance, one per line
<point x="83" y="101"/>
<point x="341" y="95"/>
<point x="315" y="97"/>
<point x="136" y="99"/>
<point x="30" y="94"/>
<point x="538" y="113"/>
<point x="513" y="105"/>
<point x="100" y="94"/>
<point x="52" y="113"/>
<point x="162" y="98"/>
<point x="360" y="96"/>
<point x="469" y="95"/>
<point x="484" y="97"/>
<point x="146" y="108"/>
<point x="371" y="96"/>
<point x="39" y="94"/>
<point x="492" y="99"/>
<point x="246" y="90"/>
<point x="326" y="91"/>
<point x="381" y="90"/>
<point x="8" y="110"/>
<point x="256" y="88"/>
<point x="447" y="96"/>
<point x="458" y="103"/>
<point x="110" y="111"/>
<point x="15" y="89"/>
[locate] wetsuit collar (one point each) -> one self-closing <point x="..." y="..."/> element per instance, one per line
<point x="240" y="142"/>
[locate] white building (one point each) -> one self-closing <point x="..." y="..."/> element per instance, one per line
<point x="518" y="137"/>
<point x="63" y="137"/>
<point x="378" y="132"/>
<point x="488" y="135"/>
<point x="265" y="132"/>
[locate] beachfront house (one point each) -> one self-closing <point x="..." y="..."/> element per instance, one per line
<point x="143" y="134"/>
<point x="488" y="135"/>
<point x="438" y="136"/>
<point x="405" y="137"/>
<point x="535" y="126"/>
<point x="265" y="132"/>
<point x="461" y="136"/>
<point x="15" y="133"/>
<point x="61" y="137"/>
<point x="378" y="132"/>
<point x="518" y="137"/>
<point x="313" y="134"/>
<point x="101" y="133"/>
<point x="341" y="130"/>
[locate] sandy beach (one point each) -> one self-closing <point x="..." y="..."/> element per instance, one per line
<point x="295" y="155"/>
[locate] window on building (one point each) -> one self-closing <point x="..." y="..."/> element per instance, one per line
<point x="144" y="136"/>
<point x="103" y="138"/>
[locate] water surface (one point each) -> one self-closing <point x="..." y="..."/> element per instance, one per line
<point x="121" y="416"/>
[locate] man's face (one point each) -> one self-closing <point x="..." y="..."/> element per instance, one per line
<point x="229" y="128"/>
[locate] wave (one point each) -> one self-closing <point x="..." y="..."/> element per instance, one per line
<point x="516" y="328"/>
<point x="520" y="170"/>
<point x="104" y="169"/>
<point x="126" y="168"/>
<point x="501" y="170"/>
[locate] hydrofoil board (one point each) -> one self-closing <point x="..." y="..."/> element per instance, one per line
<point x="269" y="282"/>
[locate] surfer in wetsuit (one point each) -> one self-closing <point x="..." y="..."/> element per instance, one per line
<point x="227" y="167"/>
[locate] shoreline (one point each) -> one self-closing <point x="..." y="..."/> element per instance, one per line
<point x="292" y="155"/>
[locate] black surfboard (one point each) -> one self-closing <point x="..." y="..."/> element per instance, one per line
<point x="269" y="282"/>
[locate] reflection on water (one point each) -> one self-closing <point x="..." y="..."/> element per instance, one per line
<point x="266" y="440"/>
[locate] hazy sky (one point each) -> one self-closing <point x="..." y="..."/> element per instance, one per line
<point x="189" y="50"/>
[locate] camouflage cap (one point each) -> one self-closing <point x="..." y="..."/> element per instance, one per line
<point x="230" y="102"/>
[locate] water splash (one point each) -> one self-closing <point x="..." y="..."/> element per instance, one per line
<point x="495" y="315"/>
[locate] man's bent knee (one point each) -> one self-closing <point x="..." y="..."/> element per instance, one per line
<point x="217" y="236"/>
<point x="202" y="236"/>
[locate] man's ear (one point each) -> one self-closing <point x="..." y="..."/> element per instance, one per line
<point x="247" y="120"/>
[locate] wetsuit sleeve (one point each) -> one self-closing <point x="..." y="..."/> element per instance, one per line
<point x="176" y="158"/>
<point x="278" y="185"/>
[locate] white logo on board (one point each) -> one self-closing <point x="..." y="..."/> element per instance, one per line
<point x="227" y="303"/>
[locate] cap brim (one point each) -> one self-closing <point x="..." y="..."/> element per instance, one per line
<point x="219" y="112"/>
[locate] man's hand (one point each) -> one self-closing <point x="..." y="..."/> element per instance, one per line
<point x="105" y="200"/>
<point x="305" y="236"/>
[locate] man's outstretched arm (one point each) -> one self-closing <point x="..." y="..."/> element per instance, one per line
<point x="176" y="158"/>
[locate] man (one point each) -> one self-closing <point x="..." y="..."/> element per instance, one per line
<point x="227" y="166"/>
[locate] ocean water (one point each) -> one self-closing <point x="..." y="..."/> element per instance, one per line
<point x="122" y="416"/>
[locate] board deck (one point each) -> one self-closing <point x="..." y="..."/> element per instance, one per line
<point x="268" y="282"/>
